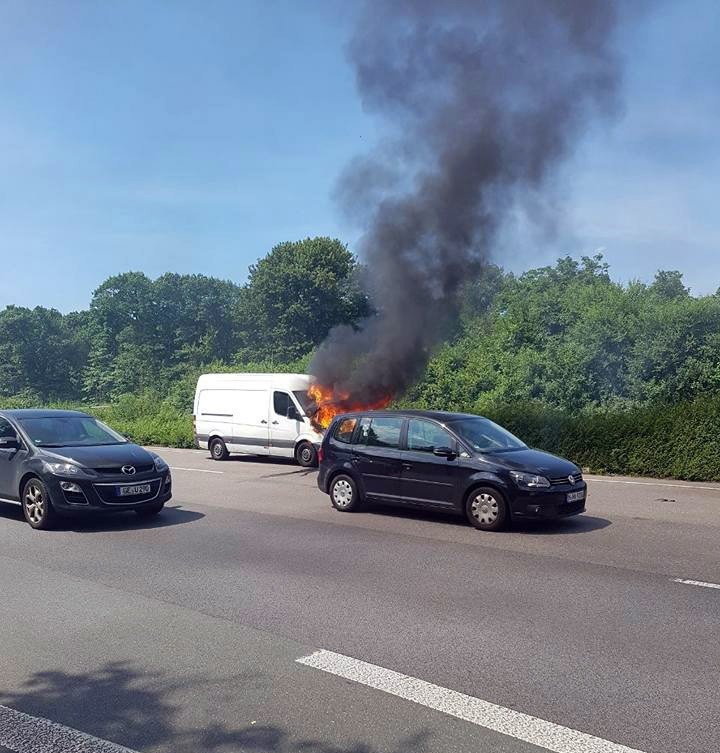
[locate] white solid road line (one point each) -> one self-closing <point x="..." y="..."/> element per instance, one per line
<point x="524" y="727"/>
<point x="653" y="483"/>
<point x="701" y="583"/>
<point x="196" y="470"/>
<point x="23" y="733"/>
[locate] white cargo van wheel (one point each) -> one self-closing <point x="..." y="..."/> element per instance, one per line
<point x="306" y="455"/>
<point x="218" y="450"/>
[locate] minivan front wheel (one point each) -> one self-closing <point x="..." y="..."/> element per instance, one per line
<point x="306" y="455"/>
<point x="218" y="449"/>
<point x="486" y="509"/>
<point x="36" y="505"/>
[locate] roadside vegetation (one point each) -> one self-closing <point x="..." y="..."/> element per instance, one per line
<point x="621" y="378"/>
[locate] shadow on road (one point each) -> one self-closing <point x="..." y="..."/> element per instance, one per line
<point x="134" y="709"/>
<point x="116" y="521"/>
<point x="576" y="524"/>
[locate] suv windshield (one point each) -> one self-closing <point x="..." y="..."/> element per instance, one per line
<point x="485" y="436"/>
<point x="69" y="431"/>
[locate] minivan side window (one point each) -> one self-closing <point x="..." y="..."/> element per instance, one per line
<point x="425" y="436"/>
<point x="381" y="432"/>
<point x="281" y="403"/>
<point x="345" y="430"/>
<point x="6" y="430"/>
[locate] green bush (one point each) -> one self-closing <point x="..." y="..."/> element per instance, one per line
<point x="675" y="441"/>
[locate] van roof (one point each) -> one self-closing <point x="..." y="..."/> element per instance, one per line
<point x="254" y="375"/>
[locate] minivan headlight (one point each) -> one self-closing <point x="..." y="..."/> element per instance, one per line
<point x="63" y="469"/>
<point x="529" y="480"/>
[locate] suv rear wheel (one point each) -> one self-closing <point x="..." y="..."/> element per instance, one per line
<point x="486" y="509"/>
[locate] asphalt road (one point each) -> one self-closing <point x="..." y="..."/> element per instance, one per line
<point x="184" y="634"/>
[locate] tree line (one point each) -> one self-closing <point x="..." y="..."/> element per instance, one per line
<point x="566" y="336"/>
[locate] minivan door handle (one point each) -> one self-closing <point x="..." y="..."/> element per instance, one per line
<point x="407" y="466"/>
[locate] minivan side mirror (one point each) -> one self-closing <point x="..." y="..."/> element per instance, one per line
<point x="9" y="443"/>
<point x="444" y="452"/>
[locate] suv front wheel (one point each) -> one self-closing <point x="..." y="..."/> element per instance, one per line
<point x="36" y="505"/>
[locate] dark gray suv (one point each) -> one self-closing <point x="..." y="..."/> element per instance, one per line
<point x="61" y="462"/>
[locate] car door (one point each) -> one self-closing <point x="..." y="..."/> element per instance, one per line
<point x="286" y="424"/>
<point x="12" y="455"/>
<point x="377" y="456"/>
<point x="427" y="479"/>
<point x="251" y="425"/>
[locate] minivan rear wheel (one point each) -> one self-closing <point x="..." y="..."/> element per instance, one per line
<point x="36" y="505"/>
<point x="218" y="449"/>
<point x="306" y="455"/>
<point x="486" y="509"/>
<point x="344" y="494"/>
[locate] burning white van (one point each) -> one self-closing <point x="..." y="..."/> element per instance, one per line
<point x="255" y="414"/>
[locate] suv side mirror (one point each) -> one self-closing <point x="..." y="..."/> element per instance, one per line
<point x="444" y="452"/>
<point x="9" y="443"/>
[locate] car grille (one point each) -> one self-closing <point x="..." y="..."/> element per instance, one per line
<point x="108" y="493"/>
<point x="117" y="470"/>
<point x="560" y="480"/>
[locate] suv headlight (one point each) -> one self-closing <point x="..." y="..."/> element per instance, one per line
<point x="160" y="465"/>
<point x="63" y="469"/>
<point x="529" y="480"/>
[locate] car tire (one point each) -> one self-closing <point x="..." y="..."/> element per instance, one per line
<point x="344" y="494"/>
<point x="150" y="511"/>
<point x="487" y="509"/>
<point x="218" y="449"/>
<point x="306" y="455"/>
<point x="37" y="506"/>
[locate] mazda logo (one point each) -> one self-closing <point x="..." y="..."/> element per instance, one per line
<point x="128" y="470"/>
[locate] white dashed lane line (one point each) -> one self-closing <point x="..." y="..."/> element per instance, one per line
<point x="700" y="583"/>
<point x="515" y="724"/>
<point x="195" y="470"/>
<point x="22" y="733"/>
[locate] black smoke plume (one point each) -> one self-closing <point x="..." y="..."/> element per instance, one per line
<point x="487" y="97"/>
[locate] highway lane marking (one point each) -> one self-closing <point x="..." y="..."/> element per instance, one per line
<point x="197" y="470"/>
<point x="529" y="729"/>
<point x="654" y="483"/>
<point x="701" y="583"/>
<point x="22" y="733"/>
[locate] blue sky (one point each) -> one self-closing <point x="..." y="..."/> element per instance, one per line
<point x="193" y="136"/>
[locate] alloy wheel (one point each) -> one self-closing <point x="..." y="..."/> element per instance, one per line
<point x="34" y="503"/>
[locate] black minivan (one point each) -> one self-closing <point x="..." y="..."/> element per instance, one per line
<point x="445" y="461"/>
<point x="54" y="462"/>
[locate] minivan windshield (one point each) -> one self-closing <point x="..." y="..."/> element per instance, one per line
<point x="69" y="431"/>
<point x="485" y="436"/>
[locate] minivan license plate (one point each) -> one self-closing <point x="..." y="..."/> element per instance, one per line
<point x="576" y="496"/>
<point x="132" y="491"/>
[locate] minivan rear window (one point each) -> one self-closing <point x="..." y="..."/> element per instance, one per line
<point x="381" y="432"/>
<point x="345" y="429"/>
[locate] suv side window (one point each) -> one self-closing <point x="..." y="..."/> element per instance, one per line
<point x="345" y="430"/>
<point x="425" y="436"/>
<point x="281" y="403"/>
<point x="381" y="432"/>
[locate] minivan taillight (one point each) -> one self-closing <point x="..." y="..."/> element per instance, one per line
<point x="320" y="455"/>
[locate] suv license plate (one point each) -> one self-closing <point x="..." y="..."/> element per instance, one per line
<point x="132" y="491"/>
<point x="575" y="496"/>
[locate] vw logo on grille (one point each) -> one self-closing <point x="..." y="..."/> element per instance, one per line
<point x="128" y="470"/>
<point x="571" y="479"/>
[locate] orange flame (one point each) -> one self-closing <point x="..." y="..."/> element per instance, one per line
<point x="331" y="402"/>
